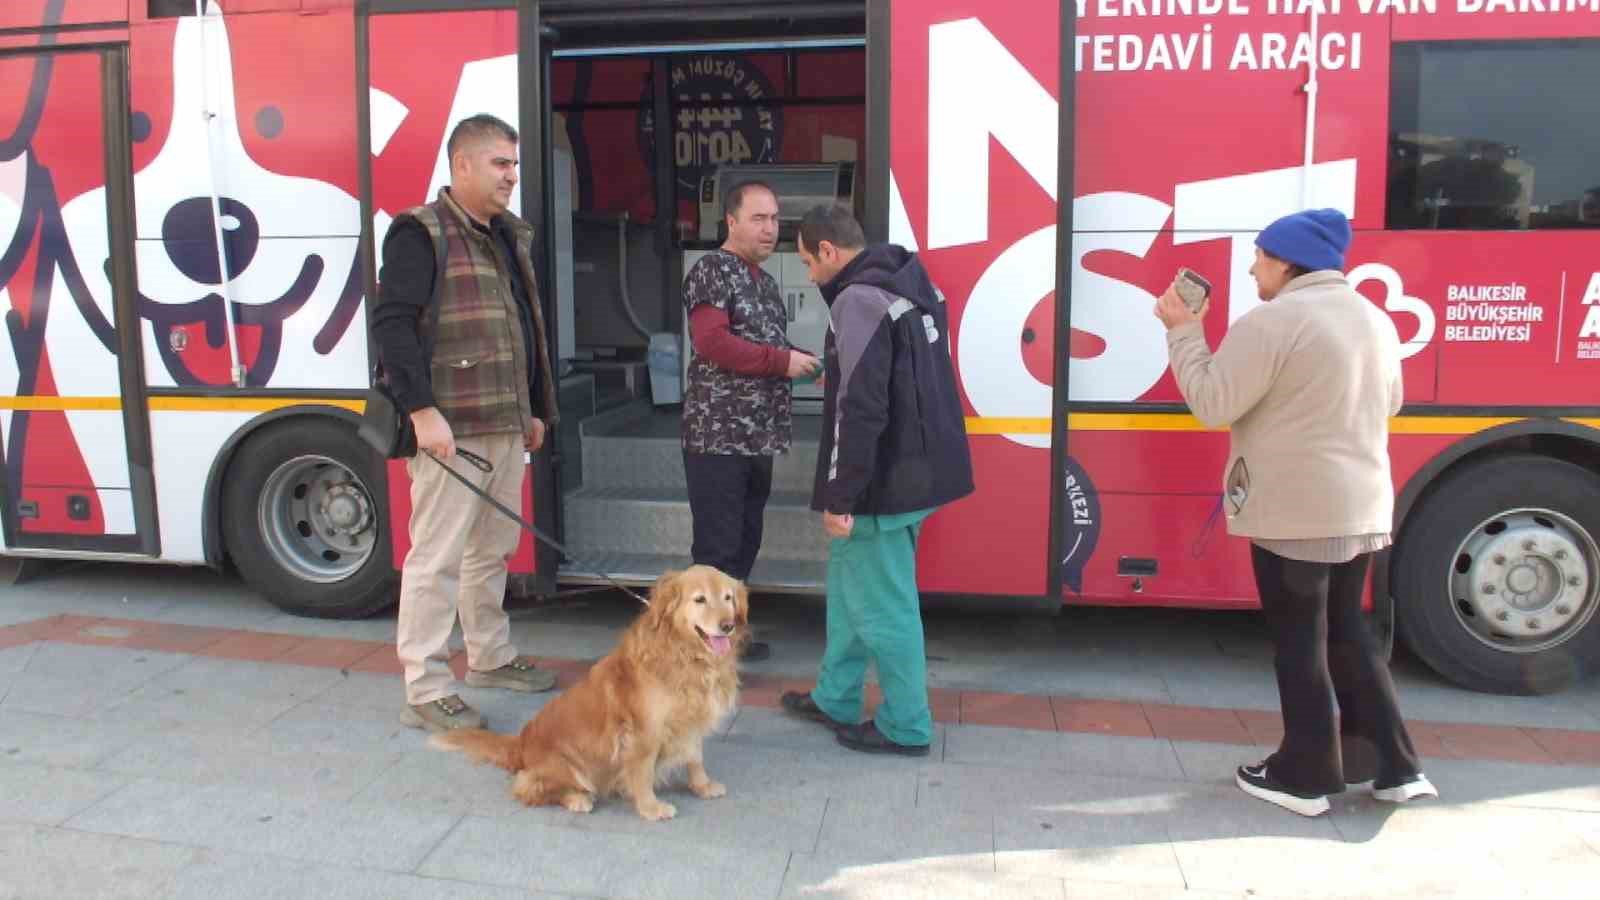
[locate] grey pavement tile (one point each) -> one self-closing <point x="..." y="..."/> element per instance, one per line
<point x="245" y="678"/>
<point x="1112" y="847"/>
<point x="1095" y="754"/>
<point x="1587" y="827"/>
<point x="1441" y="702"/>
<point x="61" y="741"/>
<point x="80" y="696"/>
<point x="245" y="876"/>
<point x="120" y="667"/>
<point x="251" y="762"/>
<point x="1226" y="840"/>
<point x="177" y="709"/>
<point x="437" y="781"/>
<point x="1093" y="890"/>
<point x="1208" y="763"/>
<point x="136" y="598"/>
<point x="349" y="729"/>
<point x="51" y="862"/>
<point x="15" y="659"/>
<point x="1118" y="756"/>
<point x="379" y="628"/>
<point x="1009" y="747"/>
<point x="1486" y="842"/>
<point x="44" y="795"/>
<point x="591" y="863"/>
<point x="257" y="821"/>
<point x="824" y="878"/>
<point x="1229" y="690"/>
<point x="367" y="690"/>
<point x="224" y="606"/>
<point x="1571" y="788"/>
<point x="771" y="800"/>
<point x="1007" y="791"/>
<point x="856" y="833"/>
<point x="741" y="819"/>
<point x="770" y="771"/>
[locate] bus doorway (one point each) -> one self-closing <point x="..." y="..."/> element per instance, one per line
<point x="654" y="115"/>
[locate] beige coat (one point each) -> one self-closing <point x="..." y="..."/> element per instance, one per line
<point x="1306" y="384"/>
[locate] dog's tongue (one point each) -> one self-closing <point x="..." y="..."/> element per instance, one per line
<point x="719" y="643"/>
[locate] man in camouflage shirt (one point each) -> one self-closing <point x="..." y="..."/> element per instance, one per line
<point x="736" y="406"/>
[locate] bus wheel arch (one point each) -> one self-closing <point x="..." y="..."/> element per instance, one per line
<point x="299" y="505"/>
<point x="1495" y="575"/>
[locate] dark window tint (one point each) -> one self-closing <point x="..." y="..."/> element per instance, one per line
<point x="1494" y="134"/>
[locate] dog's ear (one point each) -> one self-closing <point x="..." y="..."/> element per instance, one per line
<point x="664" y="597"/>
<point x="741" y="603"/>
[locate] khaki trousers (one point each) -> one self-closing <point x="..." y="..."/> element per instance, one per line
<point x="460" y="547"/>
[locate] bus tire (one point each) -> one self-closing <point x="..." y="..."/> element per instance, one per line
<point x="303" y="521"/>
<point x="1497" y="576"/>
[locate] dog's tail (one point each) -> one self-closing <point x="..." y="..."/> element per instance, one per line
<point x="503" y="750"/>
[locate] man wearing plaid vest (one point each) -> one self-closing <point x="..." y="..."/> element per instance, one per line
<point x="473" y="373"/>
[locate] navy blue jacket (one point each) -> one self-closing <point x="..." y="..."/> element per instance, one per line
<point x="894" y="437"/>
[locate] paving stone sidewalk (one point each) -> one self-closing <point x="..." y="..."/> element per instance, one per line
<point x="191" y="743"/>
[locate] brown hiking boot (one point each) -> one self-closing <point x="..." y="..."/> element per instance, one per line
<point x="443" y="714"/>
<point x="517" y="675"/>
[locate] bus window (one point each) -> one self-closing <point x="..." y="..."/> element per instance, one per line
<point x="1474" y="146"/>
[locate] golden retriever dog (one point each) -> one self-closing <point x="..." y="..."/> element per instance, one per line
<point x="640" y="713"/>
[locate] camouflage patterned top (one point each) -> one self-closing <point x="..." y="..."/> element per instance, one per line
<point x="725" y="412"/>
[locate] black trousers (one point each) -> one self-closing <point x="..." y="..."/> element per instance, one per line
<point x="1324" y="655"/>
<point x="727" y="497"/>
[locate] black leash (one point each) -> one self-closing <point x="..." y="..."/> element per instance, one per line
<point x="486" y="467"/>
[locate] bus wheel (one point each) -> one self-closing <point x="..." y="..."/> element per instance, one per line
<point x="302" y="522"/>
<point x="1497" y="579"/>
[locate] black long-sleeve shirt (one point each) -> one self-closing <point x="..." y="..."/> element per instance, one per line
<point x="405" y="285"/>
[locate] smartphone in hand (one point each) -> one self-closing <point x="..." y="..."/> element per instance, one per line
<point x="1193" y="288"/>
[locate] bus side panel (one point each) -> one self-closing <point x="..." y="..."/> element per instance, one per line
<point x="962" y="71"/>
<point x="280" y="155"/>
<point x="34" y="13"/>
<point x="421" y="87"/>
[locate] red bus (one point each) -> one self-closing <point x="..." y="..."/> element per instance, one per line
<point x="191" y="198"/>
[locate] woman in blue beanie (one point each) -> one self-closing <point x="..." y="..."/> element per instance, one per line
<point x="1306" y="385"/>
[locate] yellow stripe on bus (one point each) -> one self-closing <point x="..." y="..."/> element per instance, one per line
<point x="1166" y="421"/>
<point x="976" y="425"/>
<point x="175" y="404"/>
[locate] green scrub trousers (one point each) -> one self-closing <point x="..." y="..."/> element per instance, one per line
<point x="874" y="614"/>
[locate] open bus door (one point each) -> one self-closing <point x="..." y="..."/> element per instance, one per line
<point x="75" y="441"/>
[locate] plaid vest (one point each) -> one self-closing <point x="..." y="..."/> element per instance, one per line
<point x="477" y="360"/>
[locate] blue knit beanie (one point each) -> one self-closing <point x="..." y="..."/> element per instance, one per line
<point x="1314" y="239"/>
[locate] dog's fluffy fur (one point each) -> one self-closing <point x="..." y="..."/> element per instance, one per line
<point x="640" y="713"/>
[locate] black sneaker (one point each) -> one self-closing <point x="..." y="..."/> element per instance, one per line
<point x="1413" y="787"/>
<point x="799" y="703"/>
<point x="868" y="739"/>
<point x="1257" y="782"/>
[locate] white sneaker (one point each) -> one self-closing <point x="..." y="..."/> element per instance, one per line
<point x="1255" y="781"/>
<point x="1418" y="786"/>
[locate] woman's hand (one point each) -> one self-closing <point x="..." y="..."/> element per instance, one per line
<point x="1172" y="311"/>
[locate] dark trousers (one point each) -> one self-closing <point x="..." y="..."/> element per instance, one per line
<point x="1324" y="654"/>
<point x="727" y="497"/>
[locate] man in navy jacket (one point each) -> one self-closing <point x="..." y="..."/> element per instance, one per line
<point x="894" y="449"/>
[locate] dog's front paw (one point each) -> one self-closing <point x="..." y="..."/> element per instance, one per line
<point x="707" y="790"/>
<point x="578" y="803"/>
<point x="657" y="811"/>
